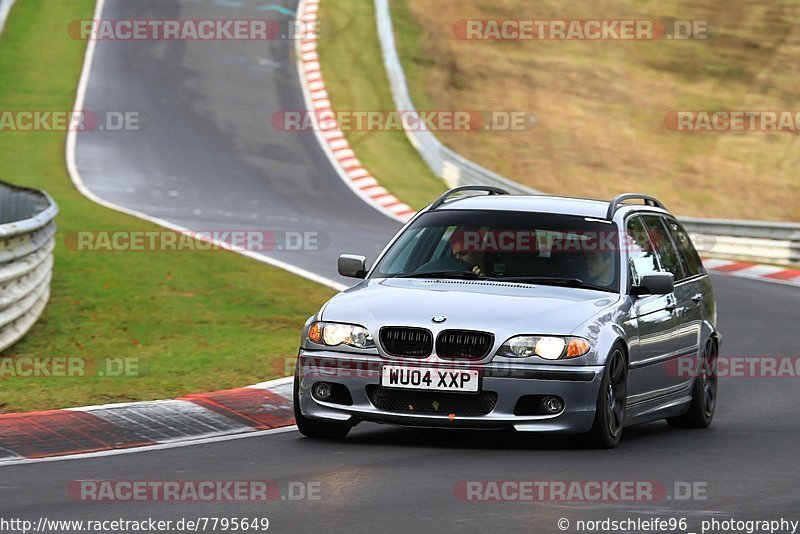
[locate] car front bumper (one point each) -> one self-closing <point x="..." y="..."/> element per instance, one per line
<point x="577" y="386"/>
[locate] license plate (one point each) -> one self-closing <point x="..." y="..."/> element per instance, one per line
<point x="401" y="376"/>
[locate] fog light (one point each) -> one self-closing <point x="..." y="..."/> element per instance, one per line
<point x="322" y="391"/>
<point x="552" y="405"/>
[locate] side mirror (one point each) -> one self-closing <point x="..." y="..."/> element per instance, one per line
<point x="655" y="284"/>
<point x="352" y="266"/>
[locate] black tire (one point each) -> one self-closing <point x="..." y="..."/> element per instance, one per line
<point x="704" y="393"/>
<point x="312" y="428"/>
<point x="609" y="417"/>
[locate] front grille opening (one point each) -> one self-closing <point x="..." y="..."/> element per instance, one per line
<point x="463" y="344"/>
<point x="431" y="402"/>
<point x="406" y="341"/>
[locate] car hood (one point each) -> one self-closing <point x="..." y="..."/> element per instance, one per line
<point x="502" y="308"/>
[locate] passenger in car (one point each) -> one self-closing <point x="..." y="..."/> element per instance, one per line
<point x="468" y="250"/>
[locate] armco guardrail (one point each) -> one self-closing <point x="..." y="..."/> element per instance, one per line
<point x="769" y="242"/>
<point x="453" y="168"/>
<point x="746" y="240"/>
<point x="27" y="239"/>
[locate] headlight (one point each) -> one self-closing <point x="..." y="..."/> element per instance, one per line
<point x="333" y="334"/>
<point x="547" y="347"/>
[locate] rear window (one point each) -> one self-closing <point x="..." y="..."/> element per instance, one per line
<point x="686" y="250"/>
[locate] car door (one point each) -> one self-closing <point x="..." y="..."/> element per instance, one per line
<point x="651" y="317"/>
<point x="692" y="294"/>
<point x="684" y="332"/>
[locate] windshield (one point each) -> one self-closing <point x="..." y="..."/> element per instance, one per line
<point x="513" y="246"/>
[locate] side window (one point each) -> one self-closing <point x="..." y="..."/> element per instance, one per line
<point x="691" y="260"/>
<point x="641" y="254"/>
<point x="666" y="250"/>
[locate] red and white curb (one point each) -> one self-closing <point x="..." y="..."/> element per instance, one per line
<point x="330" y="135"/>
<point x="743" y="269"/>
<point x="95" y="429"/>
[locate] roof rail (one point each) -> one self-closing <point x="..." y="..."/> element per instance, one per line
<point x="617" y="201"/>
<point x="492" y="191"/>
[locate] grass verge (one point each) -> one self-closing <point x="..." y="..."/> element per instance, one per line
<point x="352" y="67"/>
<point x="193" y="321"/>
<point x="600" y="105"/>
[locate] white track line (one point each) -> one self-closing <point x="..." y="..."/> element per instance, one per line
<point x="5" y="10"/>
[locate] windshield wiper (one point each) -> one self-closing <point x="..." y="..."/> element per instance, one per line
<point x="469" y="275"/>
<point x="552" y="280"/>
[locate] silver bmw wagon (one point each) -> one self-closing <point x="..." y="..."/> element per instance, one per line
<point x="538" y="313"/>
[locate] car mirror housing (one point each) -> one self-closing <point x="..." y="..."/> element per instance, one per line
<point x="352" y="266"/>
<point x="655" y="284"/>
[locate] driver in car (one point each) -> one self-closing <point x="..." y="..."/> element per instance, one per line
<point x="468" y="250"/>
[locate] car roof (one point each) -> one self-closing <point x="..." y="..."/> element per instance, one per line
<point x="583" y="207"/>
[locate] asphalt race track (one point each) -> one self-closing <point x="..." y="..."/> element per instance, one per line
<point x="210" y="160"/>
<point x="392" y="479"/>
